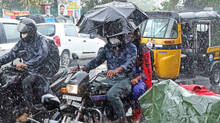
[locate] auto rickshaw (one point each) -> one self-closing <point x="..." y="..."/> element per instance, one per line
<point x="186" y="43"/>
<point x="162" y="31"/>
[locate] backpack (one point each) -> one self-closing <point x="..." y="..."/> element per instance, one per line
<point x="54" y="57"/>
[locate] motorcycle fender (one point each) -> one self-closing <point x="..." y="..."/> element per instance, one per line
<point x="214" y="64"/>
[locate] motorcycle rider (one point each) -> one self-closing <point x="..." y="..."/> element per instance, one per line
<point x="40" y="59"/>
<point x="120" y="55"/>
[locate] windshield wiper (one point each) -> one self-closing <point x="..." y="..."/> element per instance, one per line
<point x="163" y="27"/>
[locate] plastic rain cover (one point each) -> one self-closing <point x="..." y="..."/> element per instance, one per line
<point x="167" y="102"/>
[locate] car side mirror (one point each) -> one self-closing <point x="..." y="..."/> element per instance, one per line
<point x="92" y="36"/>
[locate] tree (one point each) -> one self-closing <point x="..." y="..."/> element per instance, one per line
<point x="145" y="5"/>
<point x="190" y="5"/>
<point x="22" y="4"/>
<point x="170" y="5"/>
<point x="200" y="4"/>
<point x="89" y="4"/>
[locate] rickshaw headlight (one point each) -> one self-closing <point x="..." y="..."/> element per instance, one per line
<point x="211" y="57"/>
<point x="72" y="89"/>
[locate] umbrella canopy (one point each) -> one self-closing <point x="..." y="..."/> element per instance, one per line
<point x="111" y="19"/>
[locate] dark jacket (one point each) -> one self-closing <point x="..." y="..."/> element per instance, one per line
<point x="37" y="56"/>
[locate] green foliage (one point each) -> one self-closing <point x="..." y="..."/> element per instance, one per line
<point x="190" y="4"/>
<point x="200" y="4"/>
<point x="89" y="4"/>
<point x="32" y="5"/>
<point x="21" y="4"/>
<point x="165" y="5"/>
<point x="169" y="5"/>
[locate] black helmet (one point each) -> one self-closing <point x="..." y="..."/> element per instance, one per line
<point x="115" y="41"/>
<point x="28" y="26"/>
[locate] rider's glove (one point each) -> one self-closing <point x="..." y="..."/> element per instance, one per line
<point x="20" y="66"/>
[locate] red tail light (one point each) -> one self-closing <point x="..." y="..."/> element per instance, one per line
<point x="57" y="41"/>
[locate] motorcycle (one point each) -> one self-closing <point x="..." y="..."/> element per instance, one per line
<point x="12" y="98"/>
<point x="85" y="100"/>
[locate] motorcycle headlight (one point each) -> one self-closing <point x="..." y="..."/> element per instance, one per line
<point x="72" y="89"/>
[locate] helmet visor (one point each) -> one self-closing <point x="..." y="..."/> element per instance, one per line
<point x="22" y="28"/>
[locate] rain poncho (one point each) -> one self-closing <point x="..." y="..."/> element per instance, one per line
<point x="167" y="102"/>
<point x="39" y="56"/>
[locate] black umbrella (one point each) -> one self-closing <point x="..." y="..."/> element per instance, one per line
<point x="112" y="19"/>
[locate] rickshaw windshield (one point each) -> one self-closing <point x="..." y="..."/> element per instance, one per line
<point x="160" y="28"/>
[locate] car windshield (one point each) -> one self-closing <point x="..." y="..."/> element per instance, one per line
<point x="48" y="29"/>
<point x="70" y="30"/>
<point x="160" y="28"/>
<point x="11" y="33"/>
<point x="83" y="35"/>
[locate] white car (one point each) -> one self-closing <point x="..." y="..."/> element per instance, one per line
<point x="9" y="35"/>
<point x="68" y="41"/>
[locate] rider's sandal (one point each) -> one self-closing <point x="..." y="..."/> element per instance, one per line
<point x="22" y="118"/>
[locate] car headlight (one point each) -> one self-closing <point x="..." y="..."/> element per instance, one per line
<point x="72" y="89"/>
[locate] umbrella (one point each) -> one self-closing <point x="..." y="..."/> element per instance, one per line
<point x="111" y="19"/>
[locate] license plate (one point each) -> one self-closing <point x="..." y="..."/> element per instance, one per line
<point x="74" y="103"/>
<point x="75" y="98"/>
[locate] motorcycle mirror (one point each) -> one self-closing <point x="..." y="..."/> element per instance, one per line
<point x="50" y="101"/>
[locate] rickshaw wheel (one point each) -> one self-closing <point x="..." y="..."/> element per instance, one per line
<point x="215" y="76"/>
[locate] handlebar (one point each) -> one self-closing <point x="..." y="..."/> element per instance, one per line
<point x="104" y="74"/>
<point x="12" y="70"/>
<point x="100" y="74"/>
